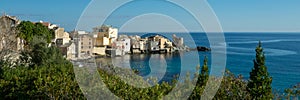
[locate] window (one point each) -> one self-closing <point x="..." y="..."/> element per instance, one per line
<point x="90" y="47"/>
<point x="81" y="47"/>
<point x="59" y="42"/>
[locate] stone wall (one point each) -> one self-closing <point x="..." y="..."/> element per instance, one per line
<point x="9" y="42"/>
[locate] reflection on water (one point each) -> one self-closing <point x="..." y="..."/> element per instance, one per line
<point x="164" y="67"/>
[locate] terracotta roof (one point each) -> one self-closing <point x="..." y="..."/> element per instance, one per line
<point x="46" y="24"/>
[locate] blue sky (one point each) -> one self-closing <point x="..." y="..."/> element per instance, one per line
<point x="234" y="15"/>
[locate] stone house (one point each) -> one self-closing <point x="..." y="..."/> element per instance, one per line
<point x="86" y="45"/>
<point x="9" y="42"/>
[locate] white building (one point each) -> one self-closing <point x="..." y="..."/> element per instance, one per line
<point x="127" y="45"/>
<point x="82" y="33"/>
<point x="52" y="26"/>
<point x="119" y="46"/>
<point x="143" y="44"/>
<point x="113" y="33"/>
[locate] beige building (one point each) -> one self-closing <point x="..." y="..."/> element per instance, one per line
<point x="99" y="50"/>
<point x="160" y="43"/>
<point x="61" y="37"/>
<point x="86" y="45"/>
<point x="164" y="43"/>
<point x="102" y="40"/>
<point x="106" y="35"/>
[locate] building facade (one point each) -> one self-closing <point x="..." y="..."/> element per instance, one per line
<point x="86" y="45"/>
<point x="61" y="37"/>
<point x="106" y="35"/>
<point x="8" y="34"/>
<point x="68" y="50"/>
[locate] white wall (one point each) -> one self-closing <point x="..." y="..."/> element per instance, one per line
<point x="113" y="33"/>
<point x="127" y="45"/>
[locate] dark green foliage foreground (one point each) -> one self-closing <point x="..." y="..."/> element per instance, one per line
<point x="47" y="76"/>
<point x="45" y="82"/>
<point x="57" y="81"/>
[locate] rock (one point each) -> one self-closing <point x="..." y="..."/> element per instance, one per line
<point x="201" y="48"/>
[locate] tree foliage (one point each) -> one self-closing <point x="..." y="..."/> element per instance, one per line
<point x="232" y="88"/>
<point x="41" y="54"/>
<point x="259" y="85"/>
<point x="204" y="75"/>
<point x="42" y="74"/>
<point x="201" y="81"/>
<point x="52" y="79"/>
<point x="28" y="30"/>
<point x="293" y="92"/>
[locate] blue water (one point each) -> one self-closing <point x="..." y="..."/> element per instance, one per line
<point x="282" y="53"/>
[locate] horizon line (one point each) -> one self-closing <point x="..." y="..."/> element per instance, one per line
<point x="215" y="32"/>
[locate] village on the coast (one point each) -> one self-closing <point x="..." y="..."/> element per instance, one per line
<point x="103" y="41"/>
<point x="106" y="41"/>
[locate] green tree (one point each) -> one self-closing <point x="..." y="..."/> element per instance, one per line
<point x="232" y="88"/>
<point x="28" y="30"/>
<point x="201" y="81"/>
<point x="41" y="54"/>
<point x="259" y="85"/>
<point x="204" y="75"/>
<point x="44" y="32"/>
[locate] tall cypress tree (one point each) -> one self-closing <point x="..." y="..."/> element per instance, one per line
<point x="201" y="81"/>
<point x="204" y="75"/>
<point x="259" y="85"/>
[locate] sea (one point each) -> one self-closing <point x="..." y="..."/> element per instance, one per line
<point x="282" y="55"/>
